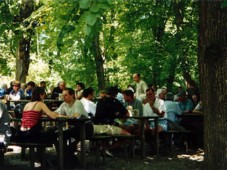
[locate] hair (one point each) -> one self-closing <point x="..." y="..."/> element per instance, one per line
<point x="31" y="83"/>
<point x="42" y="82"/>
<point x="112" y="91"/>
<point x="87" y="91"/>
<point x="150" y="89"/>
<point x="169" y="96"/>
<point x="128" y="93"/>
<point x="36" y="92"/>
<point x="81" y="85"/>
<point x="70" y="91"/>
<point x="138" y="74"/>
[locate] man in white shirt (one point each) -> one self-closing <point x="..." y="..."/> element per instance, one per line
<point x="155" y="107"/>
<point x="141" y="86"/>
<point x="89" y="105"/>
<point x="71" y="107"/>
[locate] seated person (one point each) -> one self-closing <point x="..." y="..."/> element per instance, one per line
<point x="135" y="108"/>
<point x="109" y="108"/>
<point x="28" y="90"/>
<point x="73" y="108"/>
<point x="5" y="131"/>
<point x="58" y="90"/>
<point x="31" y="127"/>
<point x="173" y="111"/>
<point x="87" y="101"/>
<point x="155" y="107"/>
<point x="16" y="94"/>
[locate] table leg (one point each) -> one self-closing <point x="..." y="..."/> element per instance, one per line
<point x="142" y="139"/>
<point x="82" y="141"/>
<point x="60" y="146"/>
<point x="156" y="136"/>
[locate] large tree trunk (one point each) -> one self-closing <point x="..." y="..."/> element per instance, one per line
<point x="213" y="78"/>
<point x="23" y="54"/>
<point x="22" y="60"/>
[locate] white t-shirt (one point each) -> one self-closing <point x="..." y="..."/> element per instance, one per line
<point x="67" y="110"/>
<point x="159" y="104"/>
<point x="89" y="106"/>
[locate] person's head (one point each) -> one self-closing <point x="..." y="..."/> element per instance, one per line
<point x="80" y="86"/>
<point x="136" y="77"/>
<point x="30" y="85"/>
<point x="16" y="85"/>
<point x="161" y="93"/>
<point x="68" y="95"/>
<point x="169" y="96"/>
<point x="150" y="94"/>
<point x="112" y="91"/>
<point x="42" y="84"/>
<point x="61" y="85"/>
<point x="88" y="93"/>
<point x="182" y="96"/>
<point x="102" y="94"/>
<point x="128" y="95"/>
<point x="38" y="94"/>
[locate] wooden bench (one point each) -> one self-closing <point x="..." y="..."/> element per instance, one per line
<point x="32" y="146"/>
<point x="100" y="140"/>
<point x="168" y="135"/>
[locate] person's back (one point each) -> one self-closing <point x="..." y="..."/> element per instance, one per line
<point x="109" y="108"/>
<point x="172" y="107"/>
<point x="5" y="131"/>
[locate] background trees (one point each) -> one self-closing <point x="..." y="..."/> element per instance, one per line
<point x="102" y="42"/>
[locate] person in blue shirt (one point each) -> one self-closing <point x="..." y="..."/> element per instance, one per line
<point x="3" y="91"/>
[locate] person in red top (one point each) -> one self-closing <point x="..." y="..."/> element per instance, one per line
<point x="31" y="128"/>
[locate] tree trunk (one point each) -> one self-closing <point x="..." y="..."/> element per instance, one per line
<point x="22" y="60"/>
<point x="23" y="54"/>
<point x="212" y="60"/>
<point x="99" y="64"/>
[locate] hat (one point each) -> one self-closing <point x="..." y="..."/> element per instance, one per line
<point x="182" y="93"/>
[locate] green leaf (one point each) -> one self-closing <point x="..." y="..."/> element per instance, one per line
<point x="87" y="30"/>
<point x="95" y="8"/>
<point x="91" y="19"/>
<point x="85" y="4"/>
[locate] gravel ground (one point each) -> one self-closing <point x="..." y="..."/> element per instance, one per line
<point x="178" y="160"/>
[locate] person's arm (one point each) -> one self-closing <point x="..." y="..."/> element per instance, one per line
<point x="48" y="112"/>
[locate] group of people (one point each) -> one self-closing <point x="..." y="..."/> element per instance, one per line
<point x="110" y="115"/>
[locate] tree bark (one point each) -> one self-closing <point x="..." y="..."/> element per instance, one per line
<point x="99" y="64"/>
<point x="212" y="60"/>
<point x="23" y="54"/>
<point x="22" y="60"/>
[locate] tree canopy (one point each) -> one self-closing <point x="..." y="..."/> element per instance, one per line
<point x="100" y="42"/>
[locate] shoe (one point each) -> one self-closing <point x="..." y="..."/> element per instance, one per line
<point x="109" y="154"/>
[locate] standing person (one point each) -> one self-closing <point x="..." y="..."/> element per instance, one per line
<point x="87" y="101"/>
<point x="58" y="90"/>
<point x="79" y="90"/>
<point x="141" y="86"/>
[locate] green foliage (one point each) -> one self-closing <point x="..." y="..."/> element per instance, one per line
<point x="145" y="36"/>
